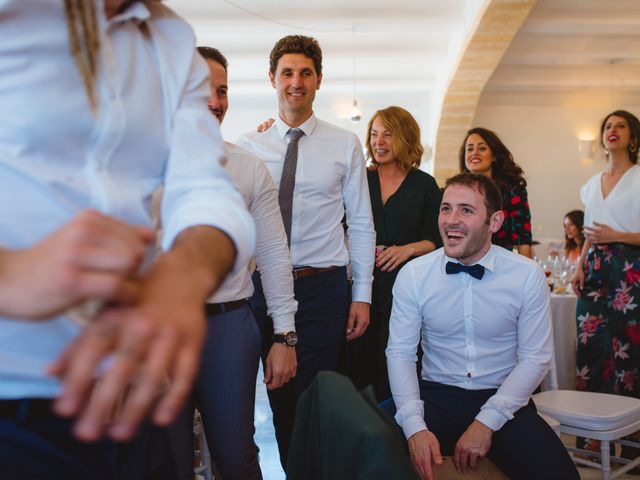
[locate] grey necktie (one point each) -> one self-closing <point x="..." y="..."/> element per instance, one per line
<point x="288" y="180"/>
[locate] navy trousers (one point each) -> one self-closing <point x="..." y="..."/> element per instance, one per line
<point x="525" y="448"/>
<point x="35" y="443"/>
<point x="225" y="393"/>
<point x="323" y="306"/>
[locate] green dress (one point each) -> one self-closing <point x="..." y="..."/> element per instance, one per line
<point x="409" y="215"/>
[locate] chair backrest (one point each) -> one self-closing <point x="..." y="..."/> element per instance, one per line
<point x="552" y="374"/>
<point x="550" y="381"/>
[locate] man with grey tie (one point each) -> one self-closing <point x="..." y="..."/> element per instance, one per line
<point x="320" y="172"/>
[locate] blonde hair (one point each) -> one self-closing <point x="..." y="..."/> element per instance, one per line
<point x="84" y="41"/>
<point x="405" y="133"/>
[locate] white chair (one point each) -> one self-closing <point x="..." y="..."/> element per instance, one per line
<point x="599" y="416"/>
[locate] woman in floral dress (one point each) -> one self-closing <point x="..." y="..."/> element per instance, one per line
<point x="607" y="280"/>
<point x="484" y="153"/>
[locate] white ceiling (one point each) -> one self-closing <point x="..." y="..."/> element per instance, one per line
<point x="570" y="52"/>
<point x="406" y="50"/>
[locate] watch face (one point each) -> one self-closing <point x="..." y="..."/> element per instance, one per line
<point x="291" y="339"/>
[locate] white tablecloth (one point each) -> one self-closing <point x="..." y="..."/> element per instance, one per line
<point x="563" y="317"/>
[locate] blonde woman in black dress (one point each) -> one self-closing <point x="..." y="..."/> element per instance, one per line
<point x="405" y="203"/>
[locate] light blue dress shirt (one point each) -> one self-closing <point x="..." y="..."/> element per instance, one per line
<point x="330" y="180"/>
<point x="475" y="334"/>
<point x="151" y="126"/>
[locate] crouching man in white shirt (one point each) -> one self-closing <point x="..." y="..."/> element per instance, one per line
<point x="482" y="314"/>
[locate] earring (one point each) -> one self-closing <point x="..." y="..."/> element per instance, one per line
<point x="632" y="147"/>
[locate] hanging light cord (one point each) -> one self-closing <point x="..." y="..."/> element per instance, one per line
<point x="355" y="54"/>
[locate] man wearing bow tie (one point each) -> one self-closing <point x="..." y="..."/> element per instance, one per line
<point x="482" y="314"/>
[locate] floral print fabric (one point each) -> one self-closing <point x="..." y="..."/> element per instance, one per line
<point x="516" y="228"/>
<point x="608" y="316"/>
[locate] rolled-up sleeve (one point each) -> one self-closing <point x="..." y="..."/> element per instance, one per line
<point x="197" y="189"/>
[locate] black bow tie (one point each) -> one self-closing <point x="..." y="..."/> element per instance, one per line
<point x="476" y="271"/>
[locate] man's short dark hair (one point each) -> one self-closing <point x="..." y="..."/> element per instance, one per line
<point x="210" y="53"/>
<point x="484" y="185"/>
<point x="307" y="46"/>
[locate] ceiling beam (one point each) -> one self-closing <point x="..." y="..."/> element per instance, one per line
<point x="495" y="30"/>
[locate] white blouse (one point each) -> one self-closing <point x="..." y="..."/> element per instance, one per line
<point x="621" y="209"/>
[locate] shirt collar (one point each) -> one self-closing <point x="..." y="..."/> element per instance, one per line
<point x="307" y="127"/>
<point x="488" y="261"/>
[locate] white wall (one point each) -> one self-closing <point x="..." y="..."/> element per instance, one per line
<point x="544" y="142"/>
<point x="246" y="110"/>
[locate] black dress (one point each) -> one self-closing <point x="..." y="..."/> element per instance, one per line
<point x="409" y="215"/>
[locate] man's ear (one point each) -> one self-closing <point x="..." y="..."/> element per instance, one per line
<point x="319" y="81"/>
<point x="495" y="221"/>
<point x="272" y="78"/>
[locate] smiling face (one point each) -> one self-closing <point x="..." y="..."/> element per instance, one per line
<point x="296" y="83"/>
<point x="465" y="226"/>
<point x="616" y="134"/>
<point x="478" y="156"/>
<point x="381" y="141"/>
<point x="218" y="101"/>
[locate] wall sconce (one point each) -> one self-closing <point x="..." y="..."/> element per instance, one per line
<point x="586" y="148"/>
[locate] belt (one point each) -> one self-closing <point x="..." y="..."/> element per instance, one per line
<point x="309" y="271"/>
<point x="218" y="308"/>
<point x="26" y="408"/>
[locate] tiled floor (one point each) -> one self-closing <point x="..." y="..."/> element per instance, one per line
<point x="265" y="436"/>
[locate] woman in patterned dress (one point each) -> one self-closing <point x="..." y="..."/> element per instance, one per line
<point x="484" y="153"/>
<point x="607" y="280"/>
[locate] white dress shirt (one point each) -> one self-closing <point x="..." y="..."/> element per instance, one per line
<point x="475" y="334"/>
<point x="621" y="209"/>
<point x="330" y="176"/>
<point x="272" y="255"/>
<point x="151" y="126"/>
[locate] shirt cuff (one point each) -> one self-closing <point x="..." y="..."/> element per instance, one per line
<point x="411" y="419"/>
<point x="361" y="293"/>
<point x="492" y="419"/>
<point x="284" y="323"/>
<point x="413" y="425"/>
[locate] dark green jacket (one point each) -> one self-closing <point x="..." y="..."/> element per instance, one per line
<point x="340" y="433"/>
